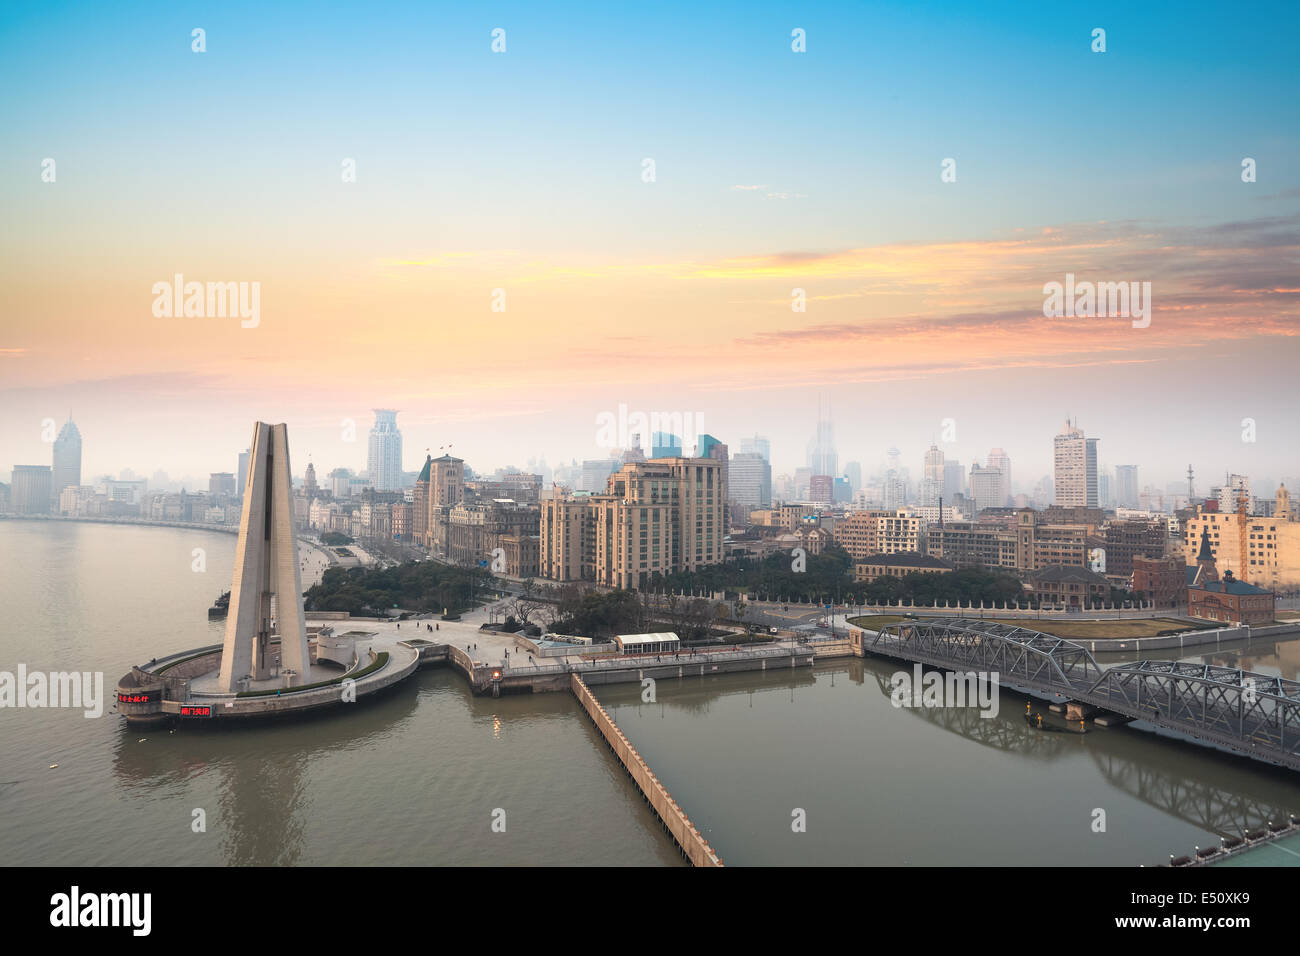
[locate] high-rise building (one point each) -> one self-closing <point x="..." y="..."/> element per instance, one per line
<point x="704" y="447"/>
<point x="309" y="487"/>
<point x="29" y="493"/>
<point x="595" y="472"/>
<point x="1105" y="489"/>
<point x="853" y="473"/>
<point x="221" y="483"/>
<point x="1076" y="468"/>
<point x="241" y="474"/>
<point x="1126" y="486"/>
<point x="954" y="479"/>
<point x="384" y="458"/>
<point x="1235" y="490"/>
<point x="67" y="461"/>
<point x="822" y="457"/>
<point x="750" y="480"/>
<point x="1000" y="460"/>
<point x="655" y="517"/>
<point x="932" y="482"/>
<point x="664" y="445"/>
<point x="821" y="488"/>
<point x="985" y="487"/>
<point x="758" y="444"/>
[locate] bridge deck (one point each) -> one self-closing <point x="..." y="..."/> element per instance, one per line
<point x="1257" y="715"/>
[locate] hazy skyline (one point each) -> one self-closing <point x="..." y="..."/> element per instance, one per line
<point x="774" y="171"/>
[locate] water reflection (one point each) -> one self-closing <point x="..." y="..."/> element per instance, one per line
<point x="260" y="768"/>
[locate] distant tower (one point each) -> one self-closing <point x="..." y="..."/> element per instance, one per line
<point x="1075" y="484"/>
<point x="309" y="486"/>
<point x="384" y="457"/>
<point x="67" y="461"/>
<point x="266" y="570"/>
<point x="1191" y="485"/>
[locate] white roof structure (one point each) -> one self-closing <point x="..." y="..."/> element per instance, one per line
<point x="635" y="640"/>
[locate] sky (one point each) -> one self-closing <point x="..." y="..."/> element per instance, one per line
<point x="504" y="269"/>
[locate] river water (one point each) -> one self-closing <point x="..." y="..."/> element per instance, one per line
<point x="411" y="778"/>
<point x="416" y="777"/>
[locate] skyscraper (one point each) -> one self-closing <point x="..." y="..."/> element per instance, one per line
<point x="853" y="472"/>
<point x="932" y="482"/>
<point x="241" y="473"/>
<point x="1126" y="486"/>
<point x="1075" y="483"/>
<point x="30" y="492"/>
<point x="985" y="487"/>
<point x="758" y="444"/>
<point x="664" y="445"/>
<point x="1000" y="460"/>
<point x="822" y="458"/>
<point x="750" y="480"/>
<point x="954" y="479"/>
<point x="384" y="460"/>
<point x="67" y="461"/>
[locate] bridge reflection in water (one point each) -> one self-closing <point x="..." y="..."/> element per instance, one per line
<point x="1257" y="715"/>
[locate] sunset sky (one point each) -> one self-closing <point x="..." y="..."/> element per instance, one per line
<point x="774" y="170"/>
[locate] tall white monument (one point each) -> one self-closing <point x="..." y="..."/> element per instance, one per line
<point x="266" y="591"/>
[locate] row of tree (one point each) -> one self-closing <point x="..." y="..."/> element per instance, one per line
<point x="827" y="577"/>
<point x="420" y="586"/>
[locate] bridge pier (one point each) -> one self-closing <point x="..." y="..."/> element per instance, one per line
<point x="1077" y="710"/>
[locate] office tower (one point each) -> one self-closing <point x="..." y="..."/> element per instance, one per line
<point x="1236" y="489"/>
<point x="932" y="482"/>
<point x="985" y="487"/>
<point x="822" y="457"/>
<point x="750" y="481"/>
<point x="241" y="473"/>
<point x="595" y="473"/>
<point x="719" y="452"/>
<point x="1002" y="462"/>
<point x="384" y="458"/>
<point x="954" y="479"/>
<point x="853" y="472"/>
<point x="758" y="444"/>
<point x="664" y="445"/>
<point x="266" y="571"/>
<point x="1075" y="483"/>
<point x="309" y="487"/>
<point x="67" y="461"/>
<point x="704" y="447"/>
<point x="894" y="491"/>
<point x="1126" y="486"/>
<point x="29" y="493"/>
<point x="1104" y="489"/>
<point x="221" y="483"/>
<point x="821" y="488"/>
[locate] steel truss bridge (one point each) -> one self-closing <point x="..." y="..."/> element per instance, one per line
<point x="1252" y="714"/>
